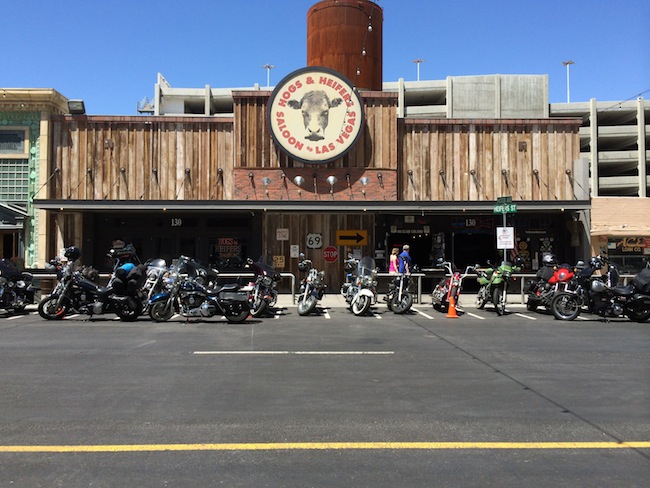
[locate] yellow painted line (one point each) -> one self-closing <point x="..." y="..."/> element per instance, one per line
<point x="306" y="446"/>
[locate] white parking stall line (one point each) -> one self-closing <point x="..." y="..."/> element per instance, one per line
<point x="377" y="316"/>
<point x="475" y="316"/>
<point x="422" y="313"/>
<point x="14" y="317"/>
<point x="581" y="318"/>
<point x="526" y="316"/>
<point x="326" y="314"/>
<point x="295" y="353"/>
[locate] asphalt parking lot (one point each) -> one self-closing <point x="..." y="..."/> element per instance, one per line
<point x="326" y="400"/>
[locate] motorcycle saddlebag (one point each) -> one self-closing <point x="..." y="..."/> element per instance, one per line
<point x="530" y="284"/>
<point x="642" y="281"/>
<point x="233" y="296"/>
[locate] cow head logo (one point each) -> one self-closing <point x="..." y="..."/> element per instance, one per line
<point x="315" y="115"/>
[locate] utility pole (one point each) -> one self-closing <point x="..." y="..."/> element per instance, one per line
<point x="568" y="84"/>
<point x="268" y="68"/>
<point x="417" y="63"/>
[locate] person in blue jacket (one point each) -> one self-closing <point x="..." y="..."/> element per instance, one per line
<point x="405" y="260"/>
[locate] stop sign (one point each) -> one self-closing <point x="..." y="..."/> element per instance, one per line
<point x="330" y="254"/>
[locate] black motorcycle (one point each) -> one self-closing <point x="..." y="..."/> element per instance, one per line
<point x="77" y="290"/>
<point x="185" y="292"/>
<point x="601" y="295"/>
<point x="16" y="288"/>
<point x="399" y="297"/>
<point x="263" y="293"/>
<point x="312" y="287"/>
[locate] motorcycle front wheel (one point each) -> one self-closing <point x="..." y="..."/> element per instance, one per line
<point x="401" y="306"/>
<point x="259" y="307"/>
<point x="53" y="307"/>
<point x="481" y="299"/>
<point x="499" y="301"/>
<point x="159" y="311"/>
<point x="306" y="305"/>
<point x="565" y="306"/>
<point x="361" y="306"/>
<point x="129" y="310"/>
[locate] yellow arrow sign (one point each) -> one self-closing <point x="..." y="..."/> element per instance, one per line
<point x="351" y="237"/>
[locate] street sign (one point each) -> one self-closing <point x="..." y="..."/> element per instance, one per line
<point x="351" y="237"/>
<point x="330" y="254"/>
<point x="505" y="208"/>
<point x="505" y="237"/>
<point x="502" y="200"/>
<point x="314" y="241"/>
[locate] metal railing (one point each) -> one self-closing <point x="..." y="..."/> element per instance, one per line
<point x="105" y="276"/>
<point x="521" y="277"/>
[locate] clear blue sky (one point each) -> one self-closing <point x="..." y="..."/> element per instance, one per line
<point x="109" y="52"/>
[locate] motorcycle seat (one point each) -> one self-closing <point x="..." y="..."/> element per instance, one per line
<point x="226" y="287"/>
<point x="623" y="291"/>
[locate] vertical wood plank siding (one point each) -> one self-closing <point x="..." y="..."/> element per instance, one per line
<point x="479" y="160"/>
<point x="141" y="158"/>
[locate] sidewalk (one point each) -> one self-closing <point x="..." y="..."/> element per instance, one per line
<point x="336" y="300"/>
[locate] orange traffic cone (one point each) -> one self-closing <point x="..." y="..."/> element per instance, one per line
<point x="451" y="309"/>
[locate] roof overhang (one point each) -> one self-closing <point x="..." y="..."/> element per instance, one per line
<point x="321" y="206"/>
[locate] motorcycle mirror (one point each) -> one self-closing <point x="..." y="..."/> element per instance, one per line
<point x="301" y="256"/>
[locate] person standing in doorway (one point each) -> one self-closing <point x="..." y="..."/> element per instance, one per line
<point x="393" y="265"/>
<point x="405" y="260"/>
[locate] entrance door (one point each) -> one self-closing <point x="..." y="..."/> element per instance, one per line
<point x="476" y="248"/>
<point x="420" y="247"/>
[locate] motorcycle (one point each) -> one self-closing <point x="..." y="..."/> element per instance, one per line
<point x="549" y="282"/>
<point x="360" y="292"/>
<point x="494" y="284"/>
<point x="156" y="269"/>
<point x="185" y="292"/>
<point x="16" y="288"/>
<point x="603" y="296"/>
<point x="263" y="290"/>
<point x="312" y="287"/>
<point x="449" y="286"/>
<point x="77" y="291"/>
<point x="399" y="297"/>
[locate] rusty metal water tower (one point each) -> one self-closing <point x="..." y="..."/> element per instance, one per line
<point x="346" y="36"/>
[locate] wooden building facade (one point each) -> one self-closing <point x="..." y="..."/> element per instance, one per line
<point x="217" y="187"/>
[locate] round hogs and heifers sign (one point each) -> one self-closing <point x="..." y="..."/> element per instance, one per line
<point x="330" y="254"/>
<point x="315" y="115"/>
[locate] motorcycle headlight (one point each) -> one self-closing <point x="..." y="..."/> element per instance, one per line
<point x="267" y="281"/>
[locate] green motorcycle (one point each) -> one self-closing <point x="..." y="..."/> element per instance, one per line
<point x="494" y="284"/>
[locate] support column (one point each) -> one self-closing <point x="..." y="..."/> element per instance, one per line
<point x="640" y="124"/>
<point x="593" y="143"/>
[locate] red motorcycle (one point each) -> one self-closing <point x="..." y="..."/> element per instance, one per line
<point x="542" y="290"/>
<point x="448" y="287"/>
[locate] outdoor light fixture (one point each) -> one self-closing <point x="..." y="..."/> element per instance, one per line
<point x="331" y="180"/>
<point x="76" y="107"/>
<point x="266" y="180"/>
<point x="364" y="181"/>
<point x="299" y="180"/>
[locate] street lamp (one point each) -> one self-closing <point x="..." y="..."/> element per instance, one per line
<point x="268" y="68"/>
<point x="417" y="63"/>
<point x="568" y="85"/>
